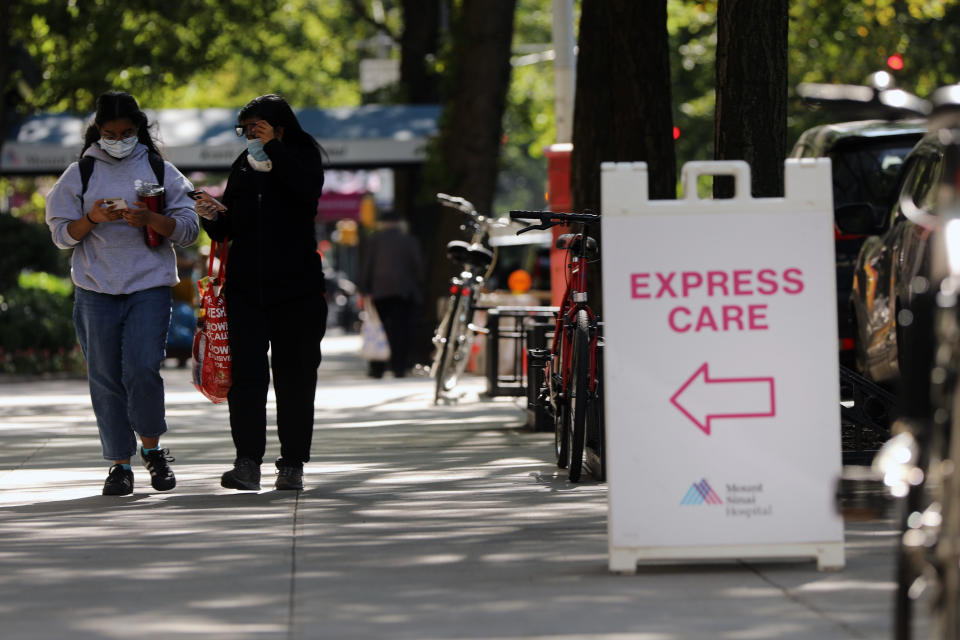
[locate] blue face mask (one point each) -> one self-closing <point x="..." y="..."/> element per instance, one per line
<point x="255" y="147"/>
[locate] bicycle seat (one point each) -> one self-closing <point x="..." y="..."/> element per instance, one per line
<point x="572" y="241"/>
<point x="462" y="252"/>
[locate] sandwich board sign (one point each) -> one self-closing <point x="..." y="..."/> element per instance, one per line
<point x="721" y="377"/>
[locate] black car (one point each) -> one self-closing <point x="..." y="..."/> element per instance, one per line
<point x="866" y="157"/>
<point x="882" y="295"/>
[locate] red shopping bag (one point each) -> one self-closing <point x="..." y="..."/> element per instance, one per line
<point x="211" y="347"/>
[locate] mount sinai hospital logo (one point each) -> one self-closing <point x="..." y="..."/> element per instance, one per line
<point x="701" y="493"/>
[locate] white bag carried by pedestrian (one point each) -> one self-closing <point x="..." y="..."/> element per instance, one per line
<point x="375" y="345"/>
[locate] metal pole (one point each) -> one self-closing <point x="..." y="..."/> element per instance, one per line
<point x="564" y="68"/>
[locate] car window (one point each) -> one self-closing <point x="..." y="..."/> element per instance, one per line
<point x="867" y="174"/>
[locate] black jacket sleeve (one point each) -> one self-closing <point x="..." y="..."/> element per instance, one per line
<point x="300" y="173"/>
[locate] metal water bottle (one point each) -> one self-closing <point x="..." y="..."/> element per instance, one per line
<point x="152" y="195"/>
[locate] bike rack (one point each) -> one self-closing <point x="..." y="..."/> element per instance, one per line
<point x="866" y="412"/>
<point x="509" y="325"/>
<point x="539" y="339"/>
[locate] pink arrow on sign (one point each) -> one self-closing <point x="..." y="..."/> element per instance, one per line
<point x="705" y="399"/>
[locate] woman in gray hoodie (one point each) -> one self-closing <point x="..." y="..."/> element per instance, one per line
<point x="122" y="284"/>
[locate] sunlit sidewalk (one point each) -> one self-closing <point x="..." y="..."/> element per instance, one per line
<point x="417" y="522"/>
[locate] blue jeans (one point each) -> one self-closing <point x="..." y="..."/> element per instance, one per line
<point x="124" y="340"/>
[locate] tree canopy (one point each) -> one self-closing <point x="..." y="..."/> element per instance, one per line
<point x="193" y="53"/>
<point x="829" y="41"/>
<point x="200" y="53"/>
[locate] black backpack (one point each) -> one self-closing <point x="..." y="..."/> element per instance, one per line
<point x="86" y="170"/>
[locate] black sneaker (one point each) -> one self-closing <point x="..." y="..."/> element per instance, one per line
<point x="161" y="475"/>
<point x="119" y="481"/>
<point x="289" y="477"/>
<point x="245" y="475"/>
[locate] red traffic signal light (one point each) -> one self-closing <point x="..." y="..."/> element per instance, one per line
<point x="895" y="62"/>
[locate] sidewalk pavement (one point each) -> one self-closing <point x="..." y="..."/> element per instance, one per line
<point x="417" y="521"/>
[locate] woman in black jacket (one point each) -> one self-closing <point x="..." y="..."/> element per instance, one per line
<point x="274" y="288"/>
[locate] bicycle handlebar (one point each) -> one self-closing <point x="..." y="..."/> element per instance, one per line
<point x="552" y="218"/>
<point x="455" y="202"/>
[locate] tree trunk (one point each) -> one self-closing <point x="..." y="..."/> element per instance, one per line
<point x="419" y="84"/>
<point x="751" y="111"/>
<point x="418" y="43"/>
<point x="623" y="109"/>
<point x="7" y="93"/>
<point x="472" y="128"/>
<point x="466" y="157"/>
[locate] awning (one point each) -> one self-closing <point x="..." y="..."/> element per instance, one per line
<point x="204" y="139"/>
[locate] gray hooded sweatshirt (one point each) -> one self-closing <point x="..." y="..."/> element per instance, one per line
<point x="114" y="258"/>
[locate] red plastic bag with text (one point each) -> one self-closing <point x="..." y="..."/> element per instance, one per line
<point x="211" y="347"/>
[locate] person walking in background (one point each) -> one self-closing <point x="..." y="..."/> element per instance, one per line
<point x="391" y="273"/>
<point x="122" y="285"/>
<point x="274" y="288"/>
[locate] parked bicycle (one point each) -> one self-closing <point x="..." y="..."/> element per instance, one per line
<point x="454" y="337"/>
<point x="922" y="462"/>
<point x="571" y="394"/>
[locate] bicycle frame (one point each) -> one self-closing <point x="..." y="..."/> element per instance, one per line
<point x="575" y="299"/>
<point x="572" y="375"/>
<point x="454" y="335"/>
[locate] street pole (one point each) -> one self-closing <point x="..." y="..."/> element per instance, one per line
<point x="564" y="68"/>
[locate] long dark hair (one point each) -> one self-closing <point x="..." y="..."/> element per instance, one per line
<point x="275" y="110"/>
<point x="114" y="105"/>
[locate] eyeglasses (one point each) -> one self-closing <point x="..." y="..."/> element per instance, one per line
<point x="109" y="138"/>
<point x="245" y="129"/>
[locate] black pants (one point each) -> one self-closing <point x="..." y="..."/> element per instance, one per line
<point x="395" y="314"/>
<point x="292" y="331"/>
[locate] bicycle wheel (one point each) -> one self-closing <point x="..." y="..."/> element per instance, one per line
<point x="579" y="394"/>
<point x="462" y="343"/>
<point x="559" y="399"/>
<point x="596" y="442"/>
<point x="457" y="347"/>
<point x="442" y="341"/>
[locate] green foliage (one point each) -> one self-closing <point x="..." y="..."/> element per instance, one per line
<point x="829" y="41"/>
<point x="79" y="49"/>
<point x="44" y="281"/>
<point x="845" y="42"/>
<point x="207" y="53"/>
<point x="36" y="326"/>
<point x="25" y="245"/>
<point x="307" y="50"/>
<point x="692" y="27"/>
<point x="529" y="124"/>
<point x="36" y="318"/>
<point x="25" y="196"/>
<point x="190" y="53"/>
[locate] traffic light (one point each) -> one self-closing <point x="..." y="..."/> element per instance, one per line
<point x="895" y="62"/>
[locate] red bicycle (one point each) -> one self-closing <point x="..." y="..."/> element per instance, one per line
<point x="572" y="390"/>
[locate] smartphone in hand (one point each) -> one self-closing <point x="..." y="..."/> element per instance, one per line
<point x="206" y="197"/>
<point x="115" y="203"/>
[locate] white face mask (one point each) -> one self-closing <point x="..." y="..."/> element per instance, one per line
<point x="119" y="148"/>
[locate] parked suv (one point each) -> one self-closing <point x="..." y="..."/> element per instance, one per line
<point x="866" y="158"/>
<point x="882" y="296"/>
